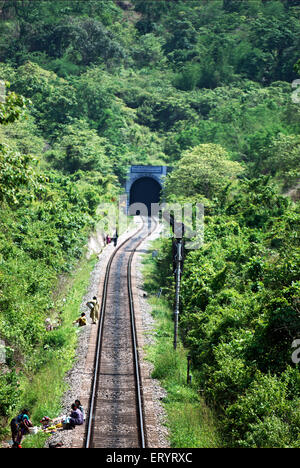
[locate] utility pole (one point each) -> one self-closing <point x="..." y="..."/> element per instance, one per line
<point x="178" y="262"/>
<point x="188" y="377"/>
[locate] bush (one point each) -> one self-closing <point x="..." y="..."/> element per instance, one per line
<point x="264" y="405"/>
<point x="10" y="393"/>
<point x="55" y="339"/>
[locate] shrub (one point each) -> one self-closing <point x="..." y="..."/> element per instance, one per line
<point x="264" y="404"/>
<point x="55" y="339"/>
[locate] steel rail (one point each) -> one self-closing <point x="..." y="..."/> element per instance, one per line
<point x="135" y="348"/>
<point x="89" y="428"/>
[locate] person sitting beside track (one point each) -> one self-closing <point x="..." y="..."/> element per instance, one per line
<point x="75" y="418"/>
<point x="81" y="320"/>
<point x="79" y="406"/>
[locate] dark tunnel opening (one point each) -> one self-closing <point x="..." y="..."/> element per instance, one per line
<point x="145" y="190"/>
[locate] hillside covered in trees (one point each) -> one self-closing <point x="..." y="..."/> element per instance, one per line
<point x="207" y="87"/>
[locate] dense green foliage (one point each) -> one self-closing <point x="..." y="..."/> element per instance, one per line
<point x="240" y="303"/>
<point x="204" y="86"/>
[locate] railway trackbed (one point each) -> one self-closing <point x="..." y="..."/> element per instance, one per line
<point x="116" y="414"/>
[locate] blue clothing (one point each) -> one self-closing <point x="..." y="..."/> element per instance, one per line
<point x="22" y="416"/>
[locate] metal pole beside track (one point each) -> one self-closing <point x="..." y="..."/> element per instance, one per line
<point x="177" y="296"/>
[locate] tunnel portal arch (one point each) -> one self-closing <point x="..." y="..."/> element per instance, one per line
<point x="145" y="190"/>
<point x="144" y="185"/>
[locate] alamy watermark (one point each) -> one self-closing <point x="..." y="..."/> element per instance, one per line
<point x="296" y="93"/>
<point x="296" y="353"/>
<point x="176" y="220"/>
<point x="2" y="91"/>
<point x="2" y="352"/>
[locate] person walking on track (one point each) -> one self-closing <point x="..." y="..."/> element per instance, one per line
<point x="115" y="238"/>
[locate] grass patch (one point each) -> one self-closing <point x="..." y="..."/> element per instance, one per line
<point x="190" y="422"/>
<point x="35" y="440"/>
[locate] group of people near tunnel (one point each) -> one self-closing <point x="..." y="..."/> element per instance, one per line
<point x="114" y="238"/>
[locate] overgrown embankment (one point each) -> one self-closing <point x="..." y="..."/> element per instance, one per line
<point x="43" y="390"/>
<point x="240" y="312"/>
<point x="190" y="422"/>
<point x="43" y="233"/>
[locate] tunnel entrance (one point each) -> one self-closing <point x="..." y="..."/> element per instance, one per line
<point x="145" y="190"/>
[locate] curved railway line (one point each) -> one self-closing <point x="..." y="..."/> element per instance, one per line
<point x="116" y="416"/>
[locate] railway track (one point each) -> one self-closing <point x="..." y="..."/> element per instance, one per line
<point x="116" y="418"/>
